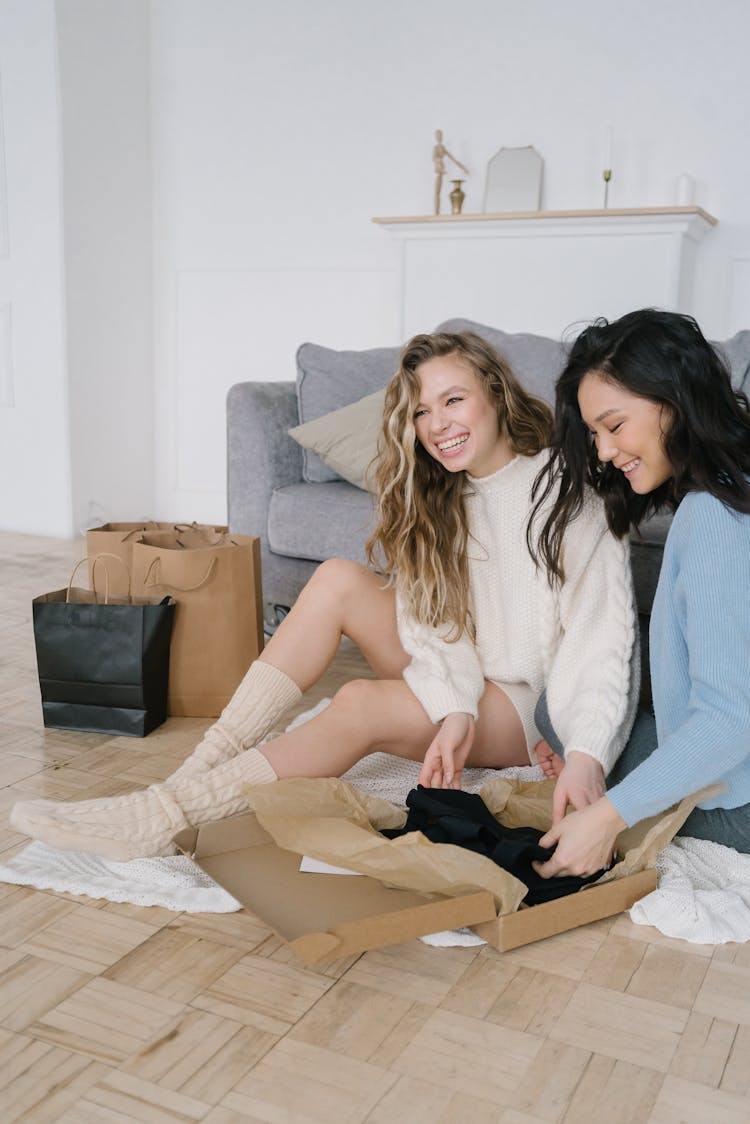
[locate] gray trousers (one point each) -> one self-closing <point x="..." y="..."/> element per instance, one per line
<point x="730" y="826"/>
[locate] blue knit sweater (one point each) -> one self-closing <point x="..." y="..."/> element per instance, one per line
<point x="700" y="664"/>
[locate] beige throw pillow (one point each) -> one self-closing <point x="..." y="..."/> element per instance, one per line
<point x="346" y="439"/>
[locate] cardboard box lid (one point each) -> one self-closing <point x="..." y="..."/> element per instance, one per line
<point x="321" y="916"/>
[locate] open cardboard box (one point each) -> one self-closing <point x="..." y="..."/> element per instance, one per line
<point x="411" y="887"/>
<point x="321" y="916"/>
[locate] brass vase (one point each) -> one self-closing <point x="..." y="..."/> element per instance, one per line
<point x="457" y="197"/>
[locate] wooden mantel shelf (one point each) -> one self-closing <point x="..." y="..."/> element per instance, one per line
<point x="506" y="216"/>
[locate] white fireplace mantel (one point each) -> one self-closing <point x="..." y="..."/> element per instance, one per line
<point x="543" y="271"/>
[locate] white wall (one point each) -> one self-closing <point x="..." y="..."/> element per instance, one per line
<point x="280" y="130"/>
<point x="76" y="293"/>
<point x="34" y="433"/>
<point x="104" y="98"/>
<point x="266" y="136"/>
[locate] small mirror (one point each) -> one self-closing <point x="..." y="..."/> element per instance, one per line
<point x="514" y="180"/>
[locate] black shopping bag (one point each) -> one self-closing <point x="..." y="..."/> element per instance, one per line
<point x="103" y="664"/>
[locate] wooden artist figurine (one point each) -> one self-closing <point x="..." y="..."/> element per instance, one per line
<point x="439" y="153"/>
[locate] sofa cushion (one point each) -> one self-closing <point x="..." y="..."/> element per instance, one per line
<point x="736" y="351"/>
<point x="346" y="440"/>
<point x="328" y="380"/>
<point x="319" y="521"/>
<point x="536" y="360"/>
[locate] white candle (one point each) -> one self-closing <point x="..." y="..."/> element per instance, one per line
<point x="685" y="190"/>
<point x="608" y="147"/>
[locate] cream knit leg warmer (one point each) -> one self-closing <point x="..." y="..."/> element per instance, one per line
<point x="142" y="824"/>
<point x="262" y="697"/>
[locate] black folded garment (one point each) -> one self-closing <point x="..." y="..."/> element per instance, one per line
<point x="447" y="815"/>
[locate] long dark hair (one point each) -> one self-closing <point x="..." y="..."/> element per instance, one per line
<point x="664" y="357"/>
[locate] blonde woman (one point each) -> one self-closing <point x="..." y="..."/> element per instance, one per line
<point x="463" y="638"/>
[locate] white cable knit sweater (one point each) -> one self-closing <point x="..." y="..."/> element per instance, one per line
<point x="578" y="641"/>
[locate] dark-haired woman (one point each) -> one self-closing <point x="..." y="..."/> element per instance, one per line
<point x="646" y="414"/>
<point x="463" y="639"/>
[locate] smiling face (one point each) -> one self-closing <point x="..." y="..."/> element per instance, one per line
<point x="455" y="420"/>
<point x="628" y="431"/>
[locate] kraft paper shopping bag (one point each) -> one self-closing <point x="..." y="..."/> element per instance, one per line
<point x="118" y="539"/>
<point x="218" y="628"/>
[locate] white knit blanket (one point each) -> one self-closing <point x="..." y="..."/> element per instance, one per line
<point x="173" y="883"/>
<point x="703" y="893"/>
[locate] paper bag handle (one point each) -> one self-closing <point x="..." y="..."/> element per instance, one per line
<point x="97" y="558"/>
<point x="180" y="588"/>
<point x="146" y="525"/>
<point x="213" y="538"/>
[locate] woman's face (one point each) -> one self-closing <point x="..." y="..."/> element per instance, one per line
<point x="455" y="420"/>
<point x="628" y="431"/>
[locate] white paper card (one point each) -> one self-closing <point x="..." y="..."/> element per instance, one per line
<point x="314" y="866"/>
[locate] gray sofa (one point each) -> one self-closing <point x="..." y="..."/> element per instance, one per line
<point x="305" y="514"/>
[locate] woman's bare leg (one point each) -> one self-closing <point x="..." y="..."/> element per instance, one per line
<point x="369" y="716"/>
<point x="499" y="740"/>
<point x="342" y="598"/>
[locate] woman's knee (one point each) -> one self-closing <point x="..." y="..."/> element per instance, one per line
<point x="382" y="716"/>
<point x="357" y="700"/>
<point x="357" y="713"/>
<point x="338" y="572"/>
<point x="339" y="577"/>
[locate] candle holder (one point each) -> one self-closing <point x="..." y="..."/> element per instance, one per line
<point x="606" y="176"/>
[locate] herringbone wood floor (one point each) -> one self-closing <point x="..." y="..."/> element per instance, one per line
<point x="116" y="1013"/>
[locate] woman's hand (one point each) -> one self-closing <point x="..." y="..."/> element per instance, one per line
<point x="446" y="755"/>
<point x="585" y="840"/>
<point x="580" y="783"/>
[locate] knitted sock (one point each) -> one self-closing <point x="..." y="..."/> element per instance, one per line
<point x="262" y="697"/>
<point x="142" y="824"/>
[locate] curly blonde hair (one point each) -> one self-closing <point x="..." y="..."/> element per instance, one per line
<point x="422" y="532"/>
